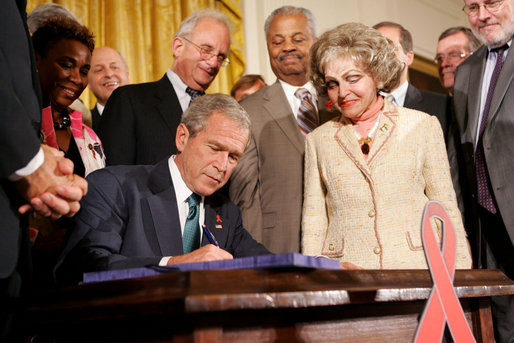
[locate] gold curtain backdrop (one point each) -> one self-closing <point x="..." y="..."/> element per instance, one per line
<point x="142" y="31"/>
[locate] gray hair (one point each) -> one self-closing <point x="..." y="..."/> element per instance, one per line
<point x="188" y="25"/>
<point x="473" y="42"/>
<point x="197" y="114"/>
<point x="42" y="12"/>
<point x="291" y="10"/>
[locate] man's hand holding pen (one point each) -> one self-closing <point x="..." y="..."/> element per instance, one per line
<point x="206" y="253"/>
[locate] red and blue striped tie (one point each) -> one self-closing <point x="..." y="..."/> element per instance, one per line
<point x="306" y="119"/>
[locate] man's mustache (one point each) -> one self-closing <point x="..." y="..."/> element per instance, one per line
<point x="290" y="54"/>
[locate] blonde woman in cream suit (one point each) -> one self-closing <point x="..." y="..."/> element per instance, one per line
<point x="370" y="172"/>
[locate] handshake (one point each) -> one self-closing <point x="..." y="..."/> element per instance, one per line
<point x="52" y="190"/>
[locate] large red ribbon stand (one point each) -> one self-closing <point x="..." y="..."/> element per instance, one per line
<point x="442" y="306"/>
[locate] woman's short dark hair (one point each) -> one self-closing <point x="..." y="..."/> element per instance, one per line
<point x="368" y="49"/>
<point x="55" y="29"/>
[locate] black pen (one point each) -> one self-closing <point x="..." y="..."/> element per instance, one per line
<point x="210" y="236"/>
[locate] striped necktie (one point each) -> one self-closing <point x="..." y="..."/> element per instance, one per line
<point x="191" y="236"/>
<point x="306" y="119"/>
<point x="193" y="93"/>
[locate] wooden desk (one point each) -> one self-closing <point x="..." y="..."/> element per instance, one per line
<point x="264" y="305"/>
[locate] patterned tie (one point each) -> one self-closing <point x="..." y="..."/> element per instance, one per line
<point x="484" y="188"/>
<point x="306" y="118"/>
<point x="193" y="93"/>
<point x="191" y="237"/>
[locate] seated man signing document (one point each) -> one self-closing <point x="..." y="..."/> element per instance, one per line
<point x="135" y="216"/>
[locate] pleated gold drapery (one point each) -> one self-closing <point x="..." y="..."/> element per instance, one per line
<point x="142" y="31"/>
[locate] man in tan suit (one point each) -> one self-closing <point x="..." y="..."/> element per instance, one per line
<point x="268" y="182"/>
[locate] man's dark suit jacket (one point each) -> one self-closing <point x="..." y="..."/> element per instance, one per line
<point x="497" y="137"/>
<point x="20" y="115"/>
<point x="129" y="218"/>
<point x="139" y="123"/>
<point x="432" y="103"/>
<point x="95" y="118"/>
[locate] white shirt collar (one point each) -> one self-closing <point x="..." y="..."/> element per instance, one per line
<point x="182" y="192"/>
<point x="180" y="89"/>
<point x="99" y="108"/>
<point x="400" y="93"/>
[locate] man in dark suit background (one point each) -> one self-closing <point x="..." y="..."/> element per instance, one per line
<point x="32" y="176"/>
<point x="108" y="71"/>
<point x="405" y="94"/>
<point x="484" y="102"/>
<point x="454" y="45"/>
<point x="139" y="122"/>
<point x="138" y="215"/>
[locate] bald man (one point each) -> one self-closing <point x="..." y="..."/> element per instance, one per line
<point x="108" y="71"/>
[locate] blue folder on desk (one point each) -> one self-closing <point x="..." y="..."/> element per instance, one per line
<point x="263" y="261"/>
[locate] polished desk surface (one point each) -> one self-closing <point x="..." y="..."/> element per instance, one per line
<point x="180" y="293"/>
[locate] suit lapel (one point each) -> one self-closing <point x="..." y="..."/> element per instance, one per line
<point x="502" y="85"/>
<point x="164" y="210"/>
<point x="412" y="97"/>
<point x="279" y="109"/>
<point x="385" y="129"/>
<point x="214" y="221"/>
<point x="167" y="104"/>
<point x="324" y="113"/>
<point x="476" y="71"/>
<point x="346" y="138"/>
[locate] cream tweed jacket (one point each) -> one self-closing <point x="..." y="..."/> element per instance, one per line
<point x="368" y="212"/>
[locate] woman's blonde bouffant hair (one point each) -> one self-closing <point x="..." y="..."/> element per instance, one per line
<point x="368" y="49"/>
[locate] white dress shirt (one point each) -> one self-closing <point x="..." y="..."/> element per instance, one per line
<point x="100" y="108"/>
<point x="399" y="94"/>
<point x="182" y="192"/>
<point x="486" y="80"/>
<point x="180" y="89"/>
<point x="36" y="162"/>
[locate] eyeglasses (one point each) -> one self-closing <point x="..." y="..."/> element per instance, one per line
<point x="491" y="6"/>
<point x="452" y="57"/>
<point x="206" y="53"/>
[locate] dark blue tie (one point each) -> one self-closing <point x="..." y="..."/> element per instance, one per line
<point x="484" y="188"/>
<point x="193" y="93"/>
<point x="191" y="236"/>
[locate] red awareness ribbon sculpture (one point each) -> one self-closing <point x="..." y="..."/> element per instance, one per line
<point x="442" y="305"/>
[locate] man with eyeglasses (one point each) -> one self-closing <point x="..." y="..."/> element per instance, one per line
<point x="484" y="144"/>
<point x="406" y="94"/>
<point x="139" y="121"/>
<point x="268" y="182"/>
<point x="453" y="47"/>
